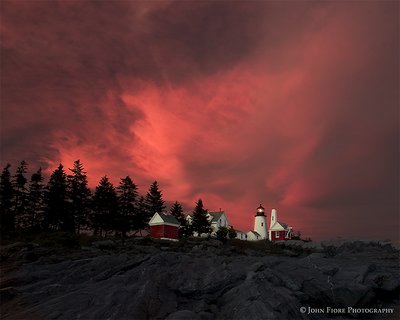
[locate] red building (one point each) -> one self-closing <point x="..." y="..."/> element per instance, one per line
<point x="280" y="234"/>
<point x="164" y="226"/>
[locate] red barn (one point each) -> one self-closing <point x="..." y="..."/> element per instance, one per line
<point x="164" y="226"/>
<point x="278" y="230"/>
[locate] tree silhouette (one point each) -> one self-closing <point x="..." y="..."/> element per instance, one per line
<point x="105" y="207"/>
<point x="141" y="221"/>
<point x="127" y="206"/>
<point x="7" y="217"/>
<point x="20" y="202"/>
<point x="57" y="216"/>
<point x="36" y="201"/>
<point x="177" y="212"/>
<point x="232" y="233"/>
<point x="222" y="234"/>
<point x="79" y="195"/>
<point x="200" y="223"/>
<point x="153" y="201"/>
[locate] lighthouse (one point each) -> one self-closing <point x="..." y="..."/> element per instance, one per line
<point x="260" y="222"/>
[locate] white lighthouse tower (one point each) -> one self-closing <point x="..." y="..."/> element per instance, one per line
<point x="260" y="222"/>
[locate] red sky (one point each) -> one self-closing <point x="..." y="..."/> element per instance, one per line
<point x="290" y="104"/>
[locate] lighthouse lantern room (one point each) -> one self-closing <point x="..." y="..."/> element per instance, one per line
<point x="260" y="222"/>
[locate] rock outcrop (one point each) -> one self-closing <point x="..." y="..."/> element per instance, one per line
<point x="206" y="280"/>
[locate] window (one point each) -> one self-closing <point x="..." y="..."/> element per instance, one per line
<point x="276" y="234"/>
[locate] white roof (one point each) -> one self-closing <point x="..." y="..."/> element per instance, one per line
<point x="279" y="226"/>
<point x="163" y="219"/>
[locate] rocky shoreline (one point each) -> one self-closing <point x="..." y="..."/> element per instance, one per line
<point x="200" y="279"/>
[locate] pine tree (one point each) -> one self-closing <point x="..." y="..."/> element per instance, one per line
<point x="222" y="234"/>
<point x="79" y="195"/>
<point x="20" y="201"/>
<point x="200" y="223"/>
<point x="105" y="207"/>
<point x="127" y="206"/>
<point x="7" y="218"/>
<point x="141" y="221"/>
<point x="36" y="201"/>
<point x="153" y="201"/>
<point x="232" y="233"/>
<point x="57" y="216"/>
<point x="177" y="212"/>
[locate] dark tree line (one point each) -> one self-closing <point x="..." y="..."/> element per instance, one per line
<point x="67" y="204"/>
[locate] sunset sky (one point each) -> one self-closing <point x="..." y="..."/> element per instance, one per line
<point x="290" y="104"/>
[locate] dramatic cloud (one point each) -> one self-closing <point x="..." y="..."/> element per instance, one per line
<point x="289" y="104"/>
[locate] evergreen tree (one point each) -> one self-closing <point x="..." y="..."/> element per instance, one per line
<point x="36" y="201"/>
<point x="141" y="221"/>
<point x="7" y="217"/>
<point x="57" y="216"/>
<point x="222" y="234"/>
<point x="78" y="195"/>
<point x="127" y="206"/>
<point x="200" y="223"/>
<point x="232" y="233"/>
<point x="153" y="201"/>
<point x="177" y="212"/>
<point x="105" y="207"/>
<point x="20" y="201"/>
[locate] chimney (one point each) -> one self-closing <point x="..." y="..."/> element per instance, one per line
<point x="273" y="217"/>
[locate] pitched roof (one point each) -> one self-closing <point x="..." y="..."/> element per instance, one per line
<point x="277" y="226"/>
<point x="255" y="233"/>
<point x="168" y="218"/>
<point x="216" y="215"/>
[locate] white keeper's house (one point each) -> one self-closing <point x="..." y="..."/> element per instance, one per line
<point x="217" y="218"/>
